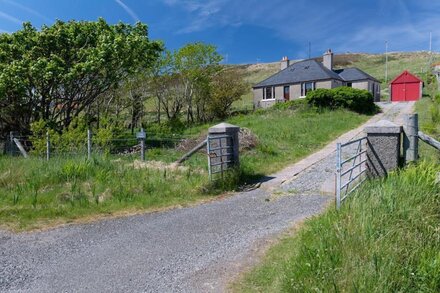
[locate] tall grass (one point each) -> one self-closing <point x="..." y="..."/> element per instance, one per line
<point x="430" y="124"/>
<point x="34" y="193"/>
<point x="385" y="238"/>
<point x="285" y="136"/>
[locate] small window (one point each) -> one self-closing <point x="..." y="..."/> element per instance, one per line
<point x="306" y="87"/>
<point x="349" y="84"/>
<point x="268" y="93"/>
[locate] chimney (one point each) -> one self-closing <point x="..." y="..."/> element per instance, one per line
<point x="327" y="59"/>
<point x="285" y="62"/>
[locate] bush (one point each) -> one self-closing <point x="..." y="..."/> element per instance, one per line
<point x="297" y="104"/>
<point x="436" y="99"/>
<point x="167" y="128"/>
<point x="360" y="101"/>
<point x="321" y="98"/>
<point x="74" y="138"/>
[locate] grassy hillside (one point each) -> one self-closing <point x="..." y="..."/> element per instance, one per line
<point x="373" y="64"/>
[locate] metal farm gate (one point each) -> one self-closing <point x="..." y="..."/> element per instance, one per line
<point x="351" y="167"/>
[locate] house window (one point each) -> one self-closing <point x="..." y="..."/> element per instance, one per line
<point x="349" y="84"/>
<point x="267" y="93"/>
<point x="306" y="87"/>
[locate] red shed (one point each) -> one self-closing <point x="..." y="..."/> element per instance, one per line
<point x="406" y="87"/>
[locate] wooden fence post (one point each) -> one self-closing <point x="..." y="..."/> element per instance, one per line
<point x="89" y="144"/>
<point x="11" y="143"/>
<point x="47" y="146"/>
<point x="142" y="136"/>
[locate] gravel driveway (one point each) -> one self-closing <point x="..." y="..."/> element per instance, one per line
<point x="191" y="249"/>
<point x="160" y="252"/>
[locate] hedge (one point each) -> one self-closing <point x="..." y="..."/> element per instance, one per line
<point x="360" y="101"/>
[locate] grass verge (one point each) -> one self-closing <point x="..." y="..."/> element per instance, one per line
<point x="429" y="126"/>
<point x="35" y="193"/>
<point x="285" y="136"/>
<point x="385" y="238"/>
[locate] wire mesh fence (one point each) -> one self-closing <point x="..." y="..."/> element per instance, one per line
<point x="88" y="145"/>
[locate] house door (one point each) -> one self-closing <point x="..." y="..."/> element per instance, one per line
<point x="287" y="93"/>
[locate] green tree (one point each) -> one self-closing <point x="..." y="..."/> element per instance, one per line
<point x="165" y="85"/>
<point x="181" y="81"/>
<point x="58" y="72"/>
<point x="194" y="65"/>
<point x="226" y="87"/>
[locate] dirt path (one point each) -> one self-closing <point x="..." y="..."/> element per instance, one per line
<point x="195" y="249"/>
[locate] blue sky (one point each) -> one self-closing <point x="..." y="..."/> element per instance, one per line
<point x="250" y="31"/>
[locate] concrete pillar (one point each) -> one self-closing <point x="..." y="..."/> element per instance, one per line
<point x="383" y="152"/>
<point x="223" y="146"/>
<point x="410" y="138"/>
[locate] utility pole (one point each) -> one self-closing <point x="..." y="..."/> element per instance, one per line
<point x="430" y="52"/>
<point x="386" y="62"/>
<point x="430" y="42"/>
<point x="310" y="49"/>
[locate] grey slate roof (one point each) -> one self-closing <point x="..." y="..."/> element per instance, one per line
<point x="352" y="74"/>
<point x="307" y="70"/>
<point x="312" y="70"/>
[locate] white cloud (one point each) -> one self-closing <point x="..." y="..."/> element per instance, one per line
<point x="204" y="14"/>
<point x="128" y="10"/>
<point x="359" y="27"/>
<point x="10" y="18"/>
<point x="27" y="9"/>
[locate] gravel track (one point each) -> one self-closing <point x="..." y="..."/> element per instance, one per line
<point x="310" y="180"/>
<point x="192" y="249"/>
<point x="160" y="252"/>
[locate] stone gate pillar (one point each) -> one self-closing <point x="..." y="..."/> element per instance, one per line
<point x="383" y="147"/>
<point x="223" y="147"/>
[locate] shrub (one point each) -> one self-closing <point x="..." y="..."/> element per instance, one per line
<point x="74" y="138"/>
<point x="321" y="98"/>
<point x="167" y="128"/>
<point x="434" y="112"/>
<point x="297" y="104"/>
<point x="360" y="101"/>
<point x="437" y="99"/>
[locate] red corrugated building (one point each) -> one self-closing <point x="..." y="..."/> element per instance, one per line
<point x="406" y="87"/>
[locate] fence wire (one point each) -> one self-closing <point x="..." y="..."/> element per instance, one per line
<point x="46" y="147"/>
